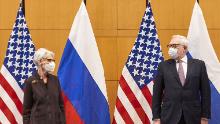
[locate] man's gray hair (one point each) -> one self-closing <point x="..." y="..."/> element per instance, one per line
<point x="41" y="53"/>
<point x="181" y="39"/>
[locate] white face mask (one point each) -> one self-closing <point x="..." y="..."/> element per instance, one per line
<point x="49" y="67"/>
<point x="173" y="53"/>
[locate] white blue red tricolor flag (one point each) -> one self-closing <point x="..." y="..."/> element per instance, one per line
<point x="200" y="47"/>
<point x="18" y="65"/>
<point x="81" y="75"/>
<point x="134" y="100"/>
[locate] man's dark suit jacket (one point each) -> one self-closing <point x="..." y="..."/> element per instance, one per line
<point x="43" y="104"/>
<point x="171" y="99"/>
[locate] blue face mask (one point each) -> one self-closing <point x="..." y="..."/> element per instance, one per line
<point x="173" y="53"/>
<point x="49" y="67"/>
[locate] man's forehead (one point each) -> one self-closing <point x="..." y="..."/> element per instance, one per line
<point x="48" y="56"/>
<point x="174" y="42"/>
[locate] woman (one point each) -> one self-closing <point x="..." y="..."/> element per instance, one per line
<point x="43" y="103"/>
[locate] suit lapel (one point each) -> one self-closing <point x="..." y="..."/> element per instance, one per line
<point x="189" y="70"/>
<point x="49" y="83"/>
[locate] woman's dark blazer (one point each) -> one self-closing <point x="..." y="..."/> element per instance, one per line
<point x="43" y="104"/>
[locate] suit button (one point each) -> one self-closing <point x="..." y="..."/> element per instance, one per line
<point x="48" y="97"/>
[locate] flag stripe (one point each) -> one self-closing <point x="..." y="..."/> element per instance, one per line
<point x="83" y="84"/>
<point x="7" y="112"/>
<point x="147" y="94"/>
<point x="119" y="119"/>
<point x="133" y="100"/>
<point x="150" y="88"/>
<point x="12" y="82"/>
<point x="113" y="121"/>
<point x="11" y="93"/>
<point x="215" y="106"/>
<point x="138" y="94"/>
<point x="72" y="116"/>
<point x="128" y="106"/>
<point x="3" y="118"/>
<point x="11" y="105"/>
<point x="124" y="113"/>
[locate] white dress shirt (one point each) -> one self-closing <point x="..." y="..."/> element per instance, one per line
<point x="184" y="63"/>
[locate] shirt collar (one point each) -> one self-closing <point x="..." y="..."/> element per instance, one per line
<point x="184" y="59"/>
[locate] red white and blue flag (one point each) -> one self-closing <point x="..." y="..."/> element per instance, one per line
<point x="81" y="75"/>
<point x="200" y="47"/>
<point x="18" y="65"/>
<point x="134" y="100"/>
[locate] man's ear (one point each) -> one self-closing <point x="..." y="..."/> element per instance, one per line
<point x="186" y="49"/>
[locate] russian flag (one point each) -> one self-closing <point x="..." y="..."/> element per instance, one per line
<point x="200" y="47"/>
<point x="81" y="75"/>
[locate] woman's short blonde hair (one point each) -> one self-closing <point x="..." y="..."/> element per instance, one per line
<point x="41" y="53"/>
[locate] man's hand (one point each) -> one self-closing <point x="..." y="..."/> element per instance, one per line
<point x="204" y="121"/>
<point x="156" y="121"/>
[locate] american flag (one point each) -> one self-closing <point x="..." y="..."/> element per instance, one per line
<point x="134" y="100"/>
<point x="18" y="65"/>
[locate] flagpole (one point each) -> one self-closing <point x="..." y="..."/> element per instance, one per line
<point x="146" y="3"/>
<point x="84" y="1"/>
<point x="23" y="6"/>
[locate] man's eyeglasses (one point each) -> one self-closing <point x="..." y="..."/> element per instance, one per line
<point x="173" y="45"/>
<point x="50" y="60"/>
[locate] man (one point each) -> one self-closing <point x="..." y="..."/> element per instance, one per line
<point x="181" y="91"/>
